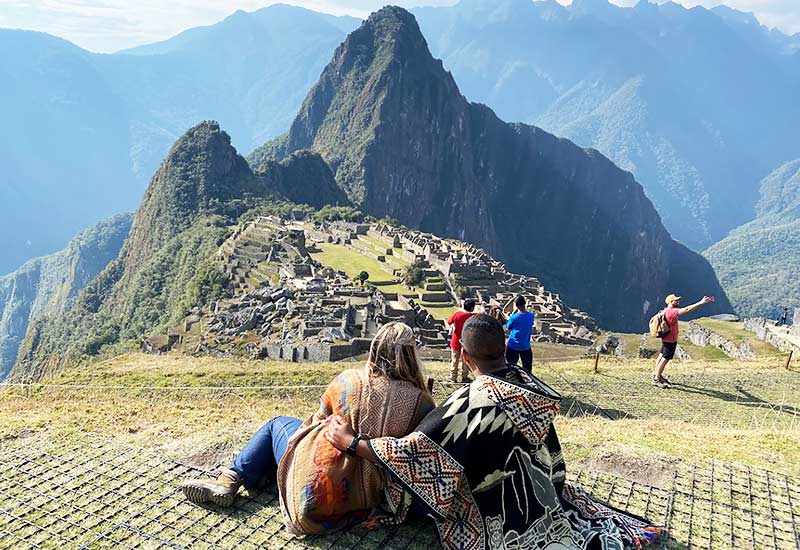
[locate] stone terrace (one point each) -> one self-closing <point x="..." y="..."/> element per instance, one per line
<point x="470" y="272"/>
<point x="285" y="304"/>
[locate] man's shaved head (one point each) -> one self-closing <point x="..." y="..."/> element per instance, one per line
<point x="483" y="339"/>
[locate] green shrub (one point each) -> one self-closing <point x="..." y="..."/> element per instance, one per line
<point x="414" y="274"/>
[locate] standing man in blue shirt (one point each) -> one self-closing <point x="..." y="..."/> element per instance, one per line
<point x="518" y="345"/>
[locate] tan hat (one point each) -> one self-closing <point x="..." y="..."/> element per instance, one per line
<point x="671" y="298"/>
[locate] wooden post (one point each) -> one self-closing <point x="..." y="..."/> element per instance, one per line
<point x="430" y="384"/>
<point x="596" y="360"/>
<point x="789" y="359"/>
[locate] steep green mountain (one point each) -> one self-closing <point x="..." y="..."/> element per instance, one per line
<point x="759" y="262"/>
<point x="698" y="104"/>
<point x="165" y="267"/>
<point x="48" y="286"/>
<point x="403" y="142"/>
<point x="83" y="133"/>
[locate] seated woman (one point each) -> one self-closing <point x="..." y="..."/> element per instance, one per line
<point x="487" y="465"/>
<point x="321" y="488"/>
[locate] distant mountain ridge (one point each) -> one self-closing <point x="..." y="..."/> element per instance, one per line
<point x="84" y="132"/>
<point x="602" y="76"/>
<point x="759" y="262"/>
<point x="697" y="103"/>
<point x="48" y="286"/>
<point x="403" y="142"/>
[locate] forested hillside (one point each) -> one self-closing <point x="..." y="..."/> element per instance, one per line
<point x="759" y="262"/>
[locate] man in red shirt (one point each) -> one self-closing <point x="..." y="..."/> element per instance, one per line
<point x="669" y="343"/>
<point x="456" y="323"/>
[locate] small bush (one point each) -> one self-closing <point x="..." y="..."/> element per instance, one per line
<point x="414" y="274"/>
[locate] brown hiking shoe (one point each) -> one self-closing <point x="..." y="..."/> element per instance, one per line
<point x="220" y="491"/>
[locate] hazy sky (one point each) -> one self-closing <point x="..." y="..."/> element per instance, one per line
<point x="110" y="25"/>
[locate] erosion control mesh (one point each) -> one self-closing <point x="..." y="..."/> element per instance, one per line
<point x="99" y="495"/>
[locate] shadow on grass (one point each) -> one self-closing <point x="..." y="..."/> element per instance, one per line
<point x="574" y="407"/>
<point x="743" y="398"/>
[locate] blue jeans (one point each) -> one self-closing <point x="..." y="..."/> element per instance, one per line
<point x="262" y="454"/>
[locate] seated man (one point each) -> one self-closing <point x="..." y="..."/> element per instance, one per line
<point x="487" y="464"/>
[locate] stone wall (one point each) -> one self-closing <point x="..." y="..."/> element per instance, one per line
<point x="703" y="337"/>
<point x="762" y="329"/>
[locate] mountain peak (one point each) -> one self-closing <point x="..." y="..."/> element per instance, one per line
<point x="376" y="69"/>
<point x="388" y="28"/>
<point x="403" y="142"/>
<point x="200" y="174"/>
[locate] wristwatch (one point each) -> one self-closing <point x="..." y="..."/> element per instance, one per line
<point x="351" y="450"/>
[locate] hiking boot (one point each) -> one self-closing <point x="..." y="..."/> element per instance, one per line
<point x="220" y="491"/>
<point x="660" y="383"/>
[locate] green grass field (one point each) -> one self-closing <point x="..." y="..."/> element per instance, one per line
<point x="352" y="262"/>
<point x="736" y="333"/>
<point x="146" y="413"/>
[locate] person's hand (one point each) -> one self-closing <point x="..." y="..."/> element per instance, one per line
<point x="707" y="299"/>
<point x="339" y="433"/>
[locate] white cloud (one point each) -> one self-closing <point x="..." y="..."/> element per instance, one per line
<point x="110" y="25"/>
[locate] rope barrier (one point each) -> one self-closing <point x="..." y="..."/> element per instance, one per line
<point x="445" y="383"/>
<point x="165" y="388"/>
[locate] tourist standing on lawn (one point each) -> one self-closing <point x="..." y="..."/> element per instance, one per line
<point x="784" y="316"/>
<point x="456" y="323"/>
<point x="518" y="345"/>
<point x="669" y="343"/>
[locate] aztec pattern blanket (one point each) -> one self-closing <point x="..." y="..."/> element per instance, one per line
<point x="487" y="465"/>
<point x="322" y="489"/>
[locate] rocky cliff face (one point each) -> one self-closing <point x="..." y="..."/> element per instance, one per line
<point x="666" y="92"/>
<point x="302" y="178"/>
<point x="403" y="142"/>
<point x="49" y="285"/>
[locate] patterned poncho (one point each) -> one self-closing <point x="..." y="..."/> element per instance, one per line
<point x="321" y="488"/>
<point x="487" y="465"/>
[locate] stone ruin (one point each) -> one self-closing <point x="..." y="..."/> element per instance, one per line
<point x="468" y="271"/>
<point x="284" y="304"/>
<point x="785" y="338"/>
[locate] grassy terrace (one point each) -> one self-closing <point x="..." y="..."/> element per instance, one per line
<point x="115" y="427"/>
<point x="352" y="262"/>
<point x="632" y="342"/>
<point x="747" y="413"/>
<point x="736" y="333"/>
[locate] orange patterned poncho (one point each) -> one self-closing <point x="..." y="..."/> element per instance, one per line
<point x="323" y="489"/>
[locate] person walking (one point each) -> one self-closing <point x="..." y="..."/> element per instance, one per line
<point x="456" y="323"/>
<point x="518" y="345"/>
<point x="669" y="343"/>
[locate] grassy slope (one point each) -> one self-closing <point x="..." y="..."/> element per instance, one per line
<point x="698" y="420"/>
<point x="736" y="333"/>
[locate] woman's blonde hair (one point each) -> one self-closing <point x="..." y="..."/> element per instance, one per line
<point x="393" y="353"/>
